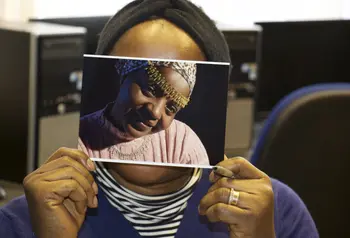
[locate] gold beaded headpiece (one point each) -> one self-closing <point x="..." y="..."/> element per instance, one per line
<point x="185" y="69"/>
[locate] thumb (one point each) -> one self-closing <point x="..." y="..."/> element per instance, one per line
<point x="242" y="168"/>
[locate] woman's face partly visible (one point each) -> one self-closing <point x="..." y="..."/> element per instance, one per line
<point x="161" y="40"/>
<point x="145" y="108"/>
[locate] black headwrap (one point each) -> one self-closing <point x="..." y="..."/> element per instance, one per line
<point x="182" y="13"/>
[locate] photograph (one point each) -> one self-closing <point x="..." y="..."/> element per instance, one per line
<point x="153" y="111"/>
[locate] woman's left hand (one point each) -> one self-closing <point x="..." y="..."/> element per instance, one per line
<point x="253" y="215"/>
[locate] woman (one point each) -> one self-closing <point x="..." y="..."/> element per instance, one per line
<point x="150" y="201"/>
<point x="140" y="124"/>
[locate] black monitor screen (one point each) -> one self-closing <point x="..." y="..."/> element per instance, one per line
<point x="243" y="66"/>
<point x="297" y="54"/>
<point x="242" y="46"/>
<point x="94" y="26"/>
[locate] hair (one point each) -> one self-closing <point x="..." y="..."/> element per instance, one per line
<point x="181" y="13"/>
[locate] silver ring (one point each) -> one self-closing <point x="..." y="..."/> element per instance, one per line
<point x="233" y="198"/>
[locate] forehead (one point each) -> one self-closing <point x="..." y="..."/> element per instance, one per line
<point x="163" y="40"/>
<point x="157" y="39"/>
<point x="173" y="78"/>
<point x="176" y="81"/>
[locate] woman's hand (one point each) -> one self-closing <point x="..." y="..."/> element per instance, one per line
<point x="253" y="215"/>
<point x="59" y="192"/>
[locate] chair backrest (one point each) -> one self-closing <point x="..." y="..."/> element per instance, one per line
<point x="305" y="144"/>
<point x="2" y="193"/>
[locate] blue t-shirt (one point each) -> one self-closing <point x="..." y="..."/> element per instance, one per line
<point x="292" y="219"/>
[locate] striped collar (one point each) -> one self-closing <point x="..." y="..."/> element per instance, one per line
<point x="151" y="216"/>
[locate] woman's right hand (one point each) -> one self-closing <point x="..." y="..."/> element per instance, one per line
<point x="59" y="192"/>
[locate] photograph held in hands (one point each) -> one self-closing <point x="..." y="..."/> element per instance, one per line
<point x="153" y="111"/>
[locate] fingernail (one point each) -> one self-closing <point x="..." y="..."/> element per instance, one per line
<point x="95" y="202"/>
<point x="238" y="157"/>
<point x="95" y="188"/>
<point x="214" y="178"/>
<point x="90" y="164"/>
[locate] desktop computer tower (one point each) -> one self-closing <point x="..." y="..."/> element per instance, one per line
<point x="40" y="89"/>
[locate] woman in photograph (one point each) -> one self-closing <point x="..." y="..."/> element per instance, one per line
<point x="139" y="125"/>
<point x="63" y="198"/>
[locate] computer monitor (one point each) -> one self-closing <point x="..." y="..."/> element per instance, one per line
<point x="242" y="43"/>
<point x="296" y="54"/>
<point x="93" y="25"/>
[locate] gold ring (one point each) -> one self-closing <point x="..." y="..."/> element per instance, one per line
<point x="233" y="198"/>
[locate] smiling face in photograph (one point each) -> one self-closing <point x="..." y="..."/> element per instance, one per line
<point x="150" y="97"/>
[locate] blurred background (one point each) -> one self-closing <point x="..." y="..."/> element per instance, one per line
<point x="277" y="47"/>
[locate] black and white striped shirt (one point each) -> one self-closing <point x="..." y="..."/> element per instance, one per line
<point x="151" y="216"/>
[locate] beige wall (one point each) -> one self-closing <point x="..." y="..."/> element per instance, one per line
<point x="228" y="11"/>
<point x="16" y="10"/>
